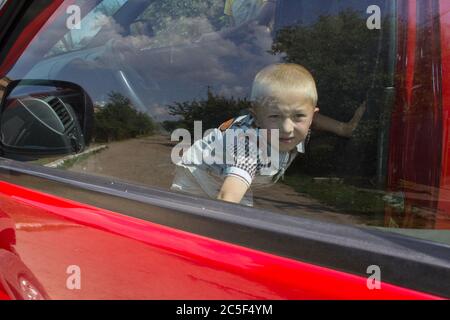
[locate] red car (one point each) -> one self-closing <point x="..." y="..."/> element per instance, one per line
<point x="91" y="91"/>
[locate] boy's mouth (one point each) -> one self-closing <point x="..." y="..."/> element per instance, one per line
<point x="286" y="140"/>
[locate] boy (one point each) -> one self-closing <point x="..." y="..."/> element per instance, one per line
<point x="284" y="99"/>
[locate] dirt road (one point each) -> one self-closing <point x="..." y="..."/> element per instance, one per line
<point x="147" y="161"/>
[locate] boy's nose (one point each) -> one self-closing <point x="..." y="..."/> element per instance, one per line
<point x="287" y="127"/>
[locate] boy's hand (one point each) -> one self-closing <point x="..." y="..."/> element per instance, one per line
<point x="3" y="84"/>
<point x="233" y="190"/>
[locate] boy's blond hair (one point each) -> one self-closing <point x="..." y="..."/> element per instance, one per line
<point x="282" y="78"/>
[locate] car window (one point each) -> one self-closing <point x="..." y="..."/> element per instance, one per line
<point x="159" y="72"/>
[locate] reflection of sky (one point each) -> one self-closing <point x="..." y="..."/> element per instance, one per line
<point x="181" y="71"/>
<point x="92" y="22"/>
<point x="226" y="67"/>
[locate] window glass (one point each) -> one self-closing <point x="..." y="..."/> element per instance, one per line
<point x="372" y="155"/>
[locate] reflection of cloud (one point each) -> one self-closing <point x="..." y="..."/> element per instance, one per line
<point x="181" y="31"/>
<point x="113" y="32"/>
<point x="181" y="67"/>
<point x="222" y="64"/>
<point x="185" y="68"/>
<point x="234" y="91"/>
<point x="159" y="112"/>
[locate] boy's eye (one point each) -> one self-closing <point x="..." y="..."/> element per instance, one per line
<point x="274" y="116"/>
<point x="300" y="116"/>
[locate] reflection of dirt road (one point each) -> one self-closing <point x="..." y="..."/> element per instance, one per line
<point x="147" y="161"/>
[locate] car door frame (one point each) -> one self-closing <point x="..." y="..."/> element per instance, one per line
<point x="345" y="248"/>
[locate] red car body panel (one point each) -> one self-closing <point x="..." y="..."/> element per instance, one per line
<point x="418" y="164"/>
<point x="126" y="258"/>
<point x="3" y="296"/>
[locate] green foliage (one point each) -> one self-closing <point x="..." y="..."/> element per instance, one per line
<point x="343" y="56"/>
<point x="212" y="111"/>
<point x="175" y="21"/>
<point x="118" y="120"/>
<point x="159" y="11"/>
<point x="341" y="196"/>
<point x="341" y="53"/>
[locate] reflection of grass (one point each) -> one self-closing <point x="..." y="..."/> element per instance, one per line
<point x="71" y="162"/>
<point x="344" y="197"/>
<point x="67" y="163"/>
<point x="44" y="161"/>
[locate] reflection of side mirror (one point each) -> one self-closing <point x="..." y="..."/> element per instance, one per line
<point x="44" y="118"/>
<point x="16" y="279"/>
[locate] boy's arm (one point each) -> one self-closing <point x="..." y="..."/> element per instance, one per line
<point x="343" y="129"/>
<point x="325" y="123"/>
<point x="233" y="190"/>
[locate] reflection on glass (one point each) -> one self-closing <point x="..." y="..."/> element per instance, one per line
<point x="366" y="163"/>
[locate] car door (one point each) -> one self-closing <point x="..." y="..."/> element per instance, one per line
<point x="101" y="222"/>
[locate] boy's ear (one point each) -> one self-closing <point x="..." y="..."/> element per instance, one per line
<point x="252" y="111"/>
<point x="316" y="111"/>
<point x="253" y="114"/>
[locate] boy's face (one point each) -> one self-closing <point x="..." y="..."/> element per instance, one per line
<point x="290" y="113"/>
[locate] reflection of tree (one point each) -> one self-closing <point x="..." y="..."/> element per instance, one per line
<point x="212" y="111"/>
<point x="184" y="18"/>
<point x="341" y="53"/>
<point x="118" y="120"/>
